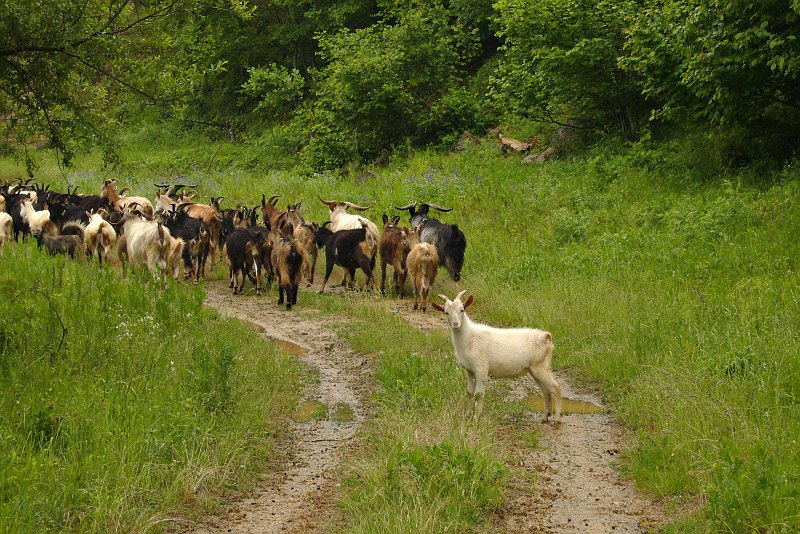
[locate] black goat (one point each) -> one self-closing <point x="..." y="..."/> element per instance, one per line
<point x="197" y="242"/>
<point x="350" y="249"/>
<point x="248" y="248"/>
<point x="449" y="240"/>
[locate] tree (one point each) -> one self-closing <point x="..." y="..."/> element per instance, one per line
<point x="559" y="62"/>
<point x="62" y="63"/>
<point x="388" y="85"/>
<point x="730" y="61"/>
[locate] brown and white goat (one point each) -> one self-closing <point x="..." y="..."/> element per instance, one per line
<point x="422" y="264"/>
<point x="119" y="203"/>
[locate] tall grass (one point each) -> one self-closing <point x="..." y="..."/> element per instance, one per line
<point x="670" y="284"/>
<point x="124" y="403"/>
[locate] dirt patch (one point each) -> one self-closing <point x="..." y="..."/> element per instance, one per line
<point x="298" y="497"/>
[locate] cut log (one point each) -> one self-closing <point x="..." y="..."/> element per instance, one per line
<point x="514" y="145"/>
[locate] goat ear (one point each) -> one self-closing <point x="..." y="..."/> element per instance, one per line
<point x="384" y="218"/>
<point x="437" y="306"/>
<point x="468" y="302"/>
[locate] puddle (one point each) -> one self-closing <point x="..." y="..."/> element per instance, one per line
<point x="255" y="326"/>
<point x="342" y="413"/>
<point x="285" y="346"/>
<point x="310" y="410"/>
<point x="534" y="401"/>
<point x="289" y="347"/>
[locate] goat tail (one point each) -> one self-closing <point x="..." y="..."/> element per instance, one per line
<point x="424" y="275"/>
<point x="547" y="339"/>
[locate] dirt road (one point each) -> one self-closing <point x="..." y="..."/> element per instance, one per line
<point x="567" y="484"/>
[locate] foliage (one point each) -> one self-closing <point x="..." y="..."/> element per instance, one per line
<point x="721" y="61"/>
<point x="387" y="85"/>
<point x="276" y="35"/>
<point x="277" y="89"/>
<point x="62" y="62"/>
<point x="559" y="62"/>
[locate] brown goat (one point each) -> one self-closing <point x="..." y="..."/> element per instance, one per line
<point x="394" y="248"/>
<point x="210" y="216"/>
<point x="272" y="214"/>
<point x="422" y="263"/>
<point x="306" y="236"/>
<point x="62" y="244"/>
<point x="109" y="192"/>
<point x="287" y="263"/>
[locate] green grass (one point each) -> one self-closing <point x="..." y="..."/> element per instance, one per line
<point x="143" y="406"/>
<point x="669" y="282"/>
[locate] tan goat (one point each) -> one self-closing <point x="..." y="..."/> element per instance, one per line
<point x="422" y="264"/>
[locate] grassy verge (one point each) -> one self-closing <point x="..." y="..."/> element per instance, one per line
<point x="674" y="294"/>
<point x="123" y="404"/>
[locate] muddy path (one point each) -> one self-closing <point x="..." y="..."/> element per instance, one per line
<point x="298" y="497"/>
<point x="568" y="483"/>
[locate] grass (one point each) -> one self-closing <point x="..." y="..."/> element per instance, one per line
<point x="670" y="284"/>
<point x="125" y="405"/>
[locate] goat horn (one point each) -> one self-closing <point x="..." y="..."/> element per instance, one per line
<point x="183" y="206"/>
<point x="357" y="207"/>
<point x="124" y="190"/>
<point x="263" y="200"/>
<point x="329" y="203"/>
<point x="444" y="298"/>
<point x="460" y="294"/>
<point x="439" y="208"/>
<point x="274" y="199"/>
<point x="407" y="206"/>
<point x="220" y="199"/>
<point x="161" y="185"/>
<point x="326" y="223"/>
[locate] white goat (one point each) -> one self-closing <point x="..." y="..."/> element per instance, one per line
<point x="38" y="221"/>
<point x="484" y="351"/>
<point x="99" y="236"/>
<point x="341" y="220"/>
<point x="146" y="244"/>
<point x="6" y="227"/>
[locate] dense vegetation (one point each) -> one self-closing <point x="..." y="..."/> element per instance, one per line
<point x="351" y="81"/>
<point x="660" y="248"/>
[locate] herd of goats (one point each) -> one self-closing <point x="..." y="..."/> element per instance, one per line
<point x="176" y="236"/>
